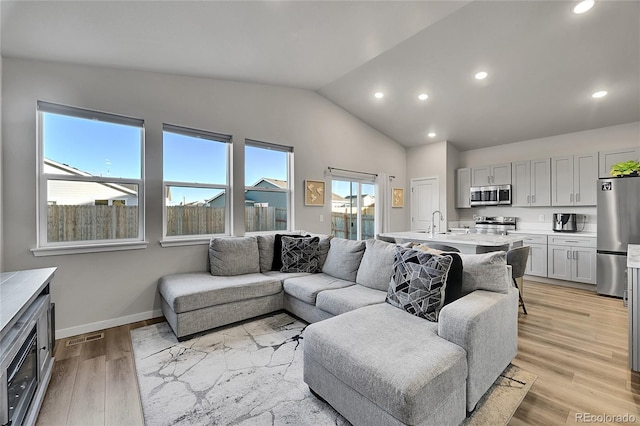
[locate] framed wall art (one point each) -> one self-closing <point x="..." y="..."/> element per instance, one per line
<point x="314" y="193"/>
<point x="397" y="197"/>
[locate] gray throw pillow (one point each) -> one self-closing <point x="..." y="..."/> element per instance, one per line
<point x="376" y="267"/>
<point x="487" y="271"/>
<point x="265" y="249"/>
<point x="300" y="254"/>
<point x="230" y="256"/>
<point x="343" y="259"/>
<point x="418" y="283"/>
<point x="325" y="244"/>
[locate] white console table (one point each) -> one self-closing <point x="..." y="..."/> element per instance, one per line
<point x="25" y="311"/>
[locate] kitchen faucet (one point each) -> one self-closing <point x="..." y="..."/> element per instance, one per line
<point x="433" y="222"/>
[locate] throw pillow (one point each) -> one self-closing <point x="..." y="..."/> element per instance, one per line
<point x="276" y="265"/>
<point x="453" y="288"/>
<point x="325" y="244"/>
<point x="418" y="282"/>
<point x="376" y="267"/>
<point x="487" y="271"/>
<point x="230" y="256"/>
<point x="343" y="259"/>
<point x="265" y="248"/>
<point x="300" y="254"/>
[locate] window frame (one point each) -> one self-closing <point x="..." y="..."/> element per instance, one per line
<point x="289" y="190"/>
<point x="45" y="247"/>
<point x="174" y="240"/>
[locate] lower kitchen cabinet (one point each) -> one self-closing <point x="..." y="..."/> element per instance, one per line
<point x="537" y="263"/>
<point x="572" y="259"/>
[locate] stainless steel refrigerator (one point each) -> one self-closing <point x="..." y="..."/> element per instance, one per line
<point x="618" y="226"/>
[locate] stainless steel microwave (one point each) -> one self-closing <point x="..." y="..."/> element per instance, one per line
<point x="490" y="195"/>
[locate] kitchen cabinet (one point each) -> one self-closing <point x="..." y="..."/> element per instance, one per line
<point x="537" y="262"/>
<point x="463" y="185"/>
<point x="572" y="258"/>
<point x="573" y="180"/>
<point x="531" y="184"/>
<point x="498" y="174"/>
<point x="609" y="158"/>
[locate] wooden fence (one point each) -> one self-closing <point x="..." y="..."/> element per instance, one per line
<point x="87" y="222"/>
<point x="343" y="225"/>
<point x="81" y="223"/>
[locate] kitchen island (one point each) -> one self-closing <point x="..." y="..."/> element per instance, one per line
<point x="466" y="243"/>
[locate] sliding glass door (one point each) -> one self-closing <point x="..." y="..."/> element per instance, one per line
<point x="352" y="209"/>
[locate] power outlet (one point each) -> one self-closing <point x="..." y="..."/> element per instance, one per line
<point x="321" y="218"/>
<point x="541" y="218"/>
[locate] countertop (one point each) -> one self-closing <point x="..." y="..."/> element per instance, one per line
<point x="633" y="256"/>
<point x="466" y="239"/>
<point x="551" y="232"/>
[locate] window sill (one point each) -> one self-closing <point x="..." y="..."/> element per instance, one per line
<point x="179" y="242"/>
<point x="88" y="248"/>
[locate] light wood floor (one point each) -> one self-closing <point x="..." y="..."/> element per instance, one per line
<point x="574" y="341"/>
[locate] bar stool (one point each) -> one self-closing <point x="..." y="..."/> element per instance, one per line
<point x="517" y="258"/>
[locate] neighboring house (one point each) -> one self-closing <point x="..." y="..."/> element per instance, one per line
<point x="337" y="202"/>
<point x="257" y="197"/>
<point x="350" y="203"/>
<point x="63" y="192"/>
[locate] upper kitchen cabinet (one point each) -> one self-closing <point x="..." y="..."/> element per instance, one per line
<point x="498" y="174"/>
<point x="609" y="158"/>
<point x="463" y="185"/>
<point x="531" y="183"/>
<point x="573" y="180"/>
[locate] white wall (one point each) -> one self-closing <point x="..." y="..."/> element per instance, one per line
<point x="435" y="160"/>
<point x="603" y="139"/>
<point x="1" y="173"/>
<point x="103" y="289"/>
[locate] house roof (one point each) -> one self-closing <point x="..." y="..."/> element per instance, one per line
<point x="73" y="171"/>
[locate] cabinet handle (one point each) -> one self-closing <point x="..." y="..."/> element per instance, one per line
<point x="488" y="179"/>
<point x="533" y="199"/>
<point x="575" y="255"/>
<point x="577" y="197"/>
<point x="568" y="254"/>
<point x="528" y="199"/>
<point x="571" y="198"/>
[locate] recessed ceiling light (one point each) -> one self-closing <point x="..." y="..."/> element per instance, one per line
<point x="423" y="96"/>
<point x="600" y="94"/>
<point x="583" y="6"/>
<point x="481" y="75"/>
<point x="431" y="135"/>
<point x="379" y="95"/>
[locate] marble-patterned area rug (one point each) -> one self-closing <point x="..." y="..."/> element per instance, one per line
<point x="251" y="374"/>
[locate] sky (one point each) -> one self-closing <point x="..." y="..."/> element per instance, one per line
<point x="113" y="150"/>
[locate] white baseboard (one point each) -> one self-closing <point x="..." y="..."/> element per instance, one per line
<point x="101" y="325"/>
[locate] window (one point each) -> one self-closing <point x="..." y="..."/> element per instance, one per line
<point x="90" y="168"/>
<point x="353" y="208"/>
<point x="268" y="173"/>
<point x="196" y="182"/>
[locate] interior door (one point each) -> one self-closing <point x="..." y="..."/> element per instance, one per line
<point x="425" y="199"/>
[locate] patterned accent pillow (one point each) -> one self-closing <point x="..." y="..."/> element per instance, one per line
<point x="300" y="254"/>
<point x="418" y="282"/>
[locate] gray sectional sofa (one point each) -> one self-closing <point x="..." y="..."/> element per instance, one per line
<point x="374" y="363"/>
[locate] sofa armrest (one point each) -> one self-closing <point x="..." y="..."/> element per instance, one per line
<point x="485" y="324"/>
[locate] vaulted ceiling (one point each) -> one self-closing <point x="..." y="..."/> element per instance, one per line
<point x="543" y="61"/>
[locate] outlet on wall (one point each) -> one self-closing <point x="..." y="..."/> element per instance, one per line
<point x="321" y="218"/>
<point x="541" y="218"/>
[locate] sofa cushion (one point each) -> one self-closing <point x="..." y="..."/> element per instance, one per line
<point x="234" y="256"/>
<point x="453" y="288"/>
<point x="307" y="288"/>
<point x="343" y="259"/>
<point x="487" y="271"/>
<point x="191" y="291"/>
<point x="284" y="275"/>
<point x="418" y="283"/>
<point x="395" y="360"/>
<point x="325" y="244"/>
<point x="276" y="265"/>
<point x="376" y="267"/>
<point x="300" y="254"/>
<point x="347" y="299"/>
